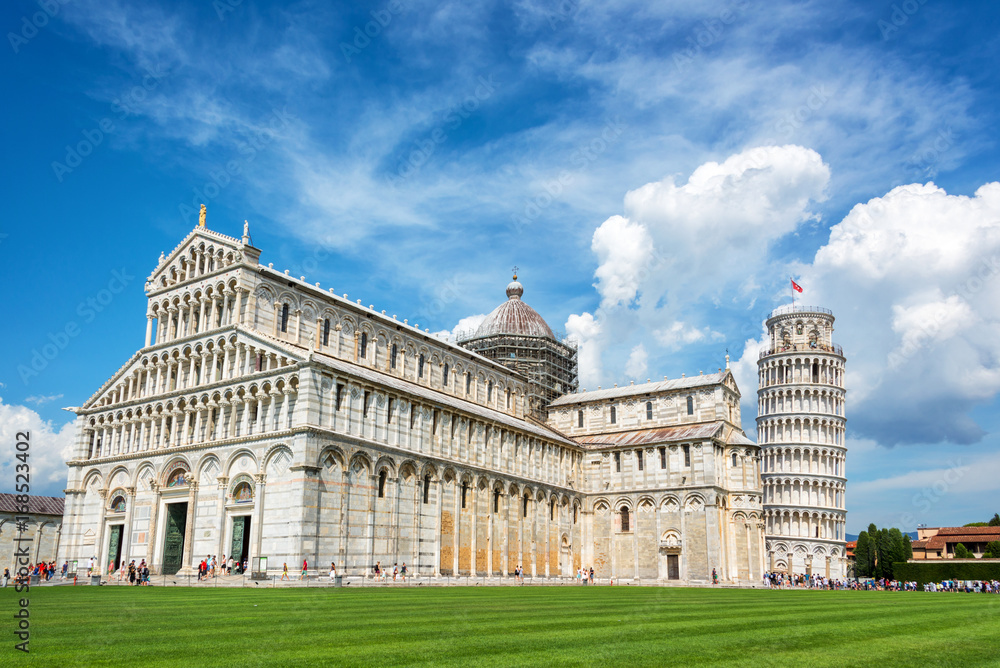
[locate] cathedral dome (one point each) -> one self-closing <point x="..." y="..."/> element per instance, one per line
<point x="514" y="317"/>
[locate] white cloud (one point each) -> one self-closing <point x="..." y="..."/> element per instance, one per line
<point x="586" y="330"/>
<point x="39" y="400"/>
<point x="623" y="248"/>
<point x="722" y="222"/>
<point x="678" y="334"/>
<point x="465" y="327"/>
<point x="911" y="277"/>
<point x="636" y="367"/>
<point x="51" y="447"/>
<point x="679" y="243"/>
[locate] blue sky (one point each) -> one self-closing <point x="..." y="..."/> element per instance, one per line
<point x="656" y="170"/>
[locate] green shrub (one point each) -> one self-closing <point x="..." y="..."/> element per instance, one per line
<point x="945" y="569"/>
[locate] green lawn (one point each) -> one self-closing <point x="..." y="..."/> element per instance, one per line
<point x="546" y="626"/>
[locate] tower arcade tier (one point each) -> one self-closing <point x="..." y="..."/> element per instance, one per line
<point x="801" y="427"/>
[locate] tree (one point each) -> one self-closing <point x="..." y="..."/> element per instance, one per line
<point x="995" y="522"/>
<point x="863" y="556"/>
<point x="907" y="547"/>
<point x="976" y="524"/>
<point x="885" y="551"/>
<point x="992" y="550"/>
<point x="961" y="552"/>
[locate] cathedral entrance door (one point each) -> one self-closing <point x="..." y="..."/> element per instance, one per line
<point x="115" y="545"/>
<point x="673" y="567"/>
<point x="240" y="545"/>
<point x="173" y="541"/>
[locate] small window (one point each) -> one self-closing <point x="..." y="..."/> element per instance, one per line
<point x="524" y="506"/>
<point x="574" y="514"/>
<point x="284" y="317"/>
<point x="687" y="455"/>
<point x="465" y="491"/>
<point x="489" y="392"/>
<point x="663" y="457"/>
<point x="468" y="383"/>
<point x="427" y="488"/>
<point x="496" y="501"/>
<point x="388" y="412"/>
<point x="420" y="366"/>
<point x="614" y="415"/>
<point x="649" y="410"/>
<point x="326" y="332"/>
<point x="381" y="484"/>
<point x="507" y="400"/>
<point x="690" y="405"/>
<point x="579" y="419"/>
<point x="618" y="462"/>
<point x="624" y="517"/>
<point x="364" y="345"/>
<point x="364" y="405"/>
<point x="552" y="510"/>
<point x="734" y="460"/>
<point x="340" y="395"/>
<point x="392" y="356"/>
<point x="638" y="459"/>
<point x="444" y="376"/>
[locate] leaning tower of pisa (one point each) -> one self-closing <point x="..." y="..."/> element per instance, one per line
<point x="800" y="428"/>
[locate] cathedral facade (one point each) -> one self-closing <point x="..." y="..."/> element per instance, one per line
<point x="273" y="421"/>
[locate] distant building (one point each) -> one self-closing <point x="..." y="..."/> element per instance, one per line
<point x="940" y="542"/>
<point x="40" y="534"/>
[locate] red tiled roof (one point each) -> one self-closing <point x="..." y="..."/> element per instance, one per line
<point x="969" y="531"/>
<point x="952" y="535"/>
<point x="37" y="505"/>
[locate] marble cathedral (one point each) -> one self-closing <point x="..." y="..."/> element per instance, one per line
<point x="265" y="417"/>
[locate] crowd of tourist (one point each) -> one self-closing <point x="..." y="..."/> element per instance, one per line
<point x="134" y="574"/>
<point x="786" y="581"/>
<point x="211" y="567"/>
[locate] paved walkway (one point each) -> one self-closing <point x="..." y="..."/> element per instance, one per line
<point x="323" y="581"/>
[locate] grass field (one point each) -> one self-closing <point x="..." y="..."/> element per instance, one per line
<point x="545" y="626"/>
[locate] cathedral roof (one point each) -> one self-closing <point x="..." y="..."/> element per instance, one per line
<point x="514" y="317"/>
<point x="643" y="388"/>
<point x="37" y="505"/>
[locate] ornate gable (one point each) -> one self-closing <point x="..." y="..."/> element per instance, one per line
<point x="201" y="252"/>
<point x="117" y="391"/>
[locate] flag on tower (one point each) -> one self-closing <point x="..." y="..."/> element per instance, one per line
<point x="796" y="286"/>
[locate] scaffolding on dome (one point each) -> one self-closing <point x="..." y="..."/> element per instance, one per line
<point x="549" y="365"/>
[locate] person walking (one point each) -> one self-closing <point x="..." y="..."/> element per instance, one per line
<point x="333" y="571"/>
<point x="305" y="567"/>
<point x="6" y="577"/>
<point x="715" y="577"/>
<point x="395" y="572"/>
<point x="402" y="571"/>
<point x="284" y="572"/>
